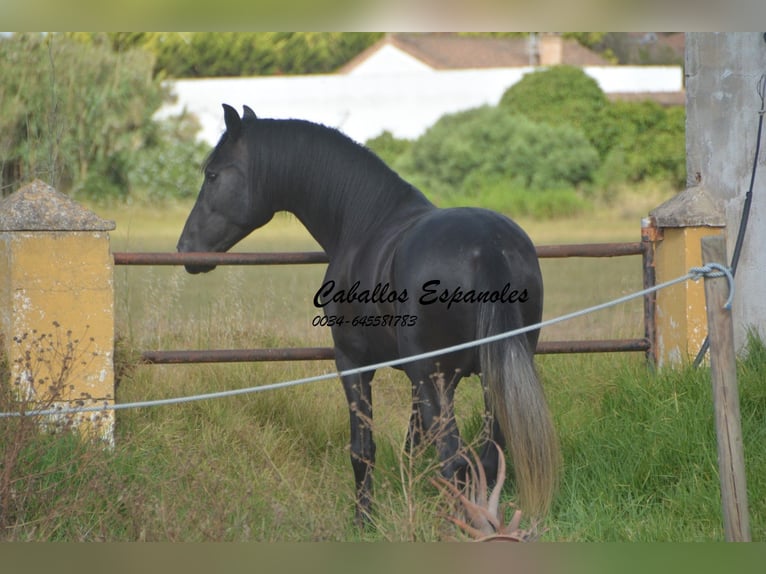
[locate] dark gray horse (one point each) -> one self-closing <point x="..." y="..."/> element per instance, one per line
<point x="404" y="277"/>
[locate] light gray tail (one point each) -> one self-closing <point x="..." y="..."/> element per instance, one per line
<point x="517" y="402"/>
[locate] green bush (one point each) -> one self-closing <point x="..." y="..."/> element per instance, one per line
<point x="462" y="151"/>
<point x="636" y="141"/>
<point x="388" y="147"/>
<point x="515" y="202"/>
<point x="169" y="167"/>
<point x="650" y="146"/>
<point x="563" y="95"/>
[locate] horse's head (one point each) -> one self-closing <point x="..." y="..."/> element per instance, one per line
<point x="226" y="210"/>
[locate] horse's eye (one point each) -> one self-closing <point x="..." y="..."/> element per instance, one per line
<point x="211" y="175"/>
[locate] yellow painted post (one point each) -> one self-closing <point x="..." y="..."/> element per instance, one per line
<point x="57" y="308"/>
<point x="680" y="224"/>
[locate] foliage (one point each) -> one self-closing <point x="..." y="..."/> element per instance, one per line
<point x="169" y="165"/>
<point x="637" y="141"/>
<point x="596" y="41"/>
<point x="552" y="145"/>
<point x="77" y="110"/>
<point x="562" y="95"/>
<point x="473" y="155"/>
<point x="79" y="114"/>
<point x="651" y="139"/>
<point x="73" y="114"/>
<point x="388" y="147"/>
<point x="516" y="202"/>
<point x="215" y="54"/>
<point x="211" y="54"/>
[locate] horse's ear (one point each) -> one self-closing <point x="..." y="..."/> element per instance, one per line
<point x="233" y="122"/>
<point x="248" y="113"/>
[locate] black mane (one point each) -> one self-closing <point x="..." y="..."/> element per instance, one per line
<point x="329" y="165"/>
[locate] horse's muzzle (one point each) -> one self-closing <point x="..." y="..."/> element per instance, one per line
<point x="193" y="268"/>
<point x="196" y="269"/>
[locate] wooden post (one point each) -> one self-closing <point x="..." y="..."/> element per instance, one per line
<point x="723" y="370"/>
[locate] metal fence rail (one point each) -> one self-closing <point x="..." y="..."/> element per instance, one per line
<point x="645" y="344"/>
<point x="304" y="257"/>
<point x="328" y="353"/>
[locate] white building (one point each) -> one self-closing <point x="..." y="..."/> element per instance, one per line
<point x="406" y="82"/>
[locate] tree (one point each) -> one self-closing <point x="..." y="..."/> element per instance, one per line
<point x="215" y="54"/>
<point x="73" y="113"/>
<point x="563" y="95"/>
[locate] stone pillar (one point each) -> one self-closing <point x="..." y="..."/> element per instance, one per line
<point x="680" y="318"/>
<point x="723" y="107"/>
<point x="57" y="307"/>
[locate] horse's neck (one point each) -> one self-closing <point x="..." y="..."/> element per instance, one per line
<point x="342" y="207"/>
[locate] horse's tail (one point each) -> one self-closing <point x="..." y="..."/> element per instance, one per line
<point x="517" y="402"/>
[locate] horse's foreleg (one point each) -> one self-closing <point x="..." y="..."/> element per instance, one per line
<point x="359" y="396"/>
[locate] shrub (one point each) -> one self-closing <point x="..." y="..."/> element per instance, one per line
<point x="169" y="167"/>
<point x="563" y="95"/>
<point x="388" y="147"/>
<point x="515" y="202"/>
<point x="636" y="141"/>
<point x="464" y="150"/>
<point x="651" y="143"/>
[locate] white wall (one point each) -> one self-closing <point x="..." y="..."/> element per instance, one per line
<point x="389" y="59"/>
<point x="364" y="105"/>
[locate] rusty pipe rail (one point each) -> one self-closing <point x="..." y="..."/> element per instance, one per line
<point x="328" y="353"/>
<point x="310" y="257"/>
<point x="643" y="248"/>
<point x="277" y="258"/>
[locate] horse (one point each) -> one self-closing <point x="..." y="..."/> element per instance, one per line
<point x="404" y="277"/>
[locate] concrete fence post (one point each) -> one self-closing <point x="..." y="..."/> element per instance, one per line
<point x="57" y="308"/>
<point x="678" y="226"/>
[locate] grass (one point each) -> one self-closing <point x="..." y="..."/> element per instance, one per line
<point x="639" y="447"/>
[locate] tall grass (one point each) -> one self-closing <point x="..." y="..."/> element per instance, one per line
<point x="639" y="447"/>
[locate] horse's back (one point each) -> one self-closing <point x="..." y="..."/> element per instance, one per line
<point x="467" y="246"/>
<point x="457" y="260"/>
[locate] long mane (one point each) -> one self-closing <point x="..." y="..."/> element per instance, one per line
<point x="304" y="155"/>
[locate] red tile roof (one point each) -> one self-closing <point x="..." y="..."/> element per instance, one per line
<point x="444" y="51"/>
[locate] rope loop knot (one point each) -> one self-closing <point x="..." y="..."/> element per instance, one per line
<point x="711" y="271"/>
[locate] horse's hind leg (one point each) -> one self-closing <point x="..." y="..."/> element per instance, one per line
<point x="415" y="427"/>
<point x="359" y="397"/>
<point x="489" y="453"/>
<point x="433" y="415"/>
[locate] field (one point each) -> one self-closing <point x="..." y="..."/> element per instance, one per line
<point x="638" y="447"/>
